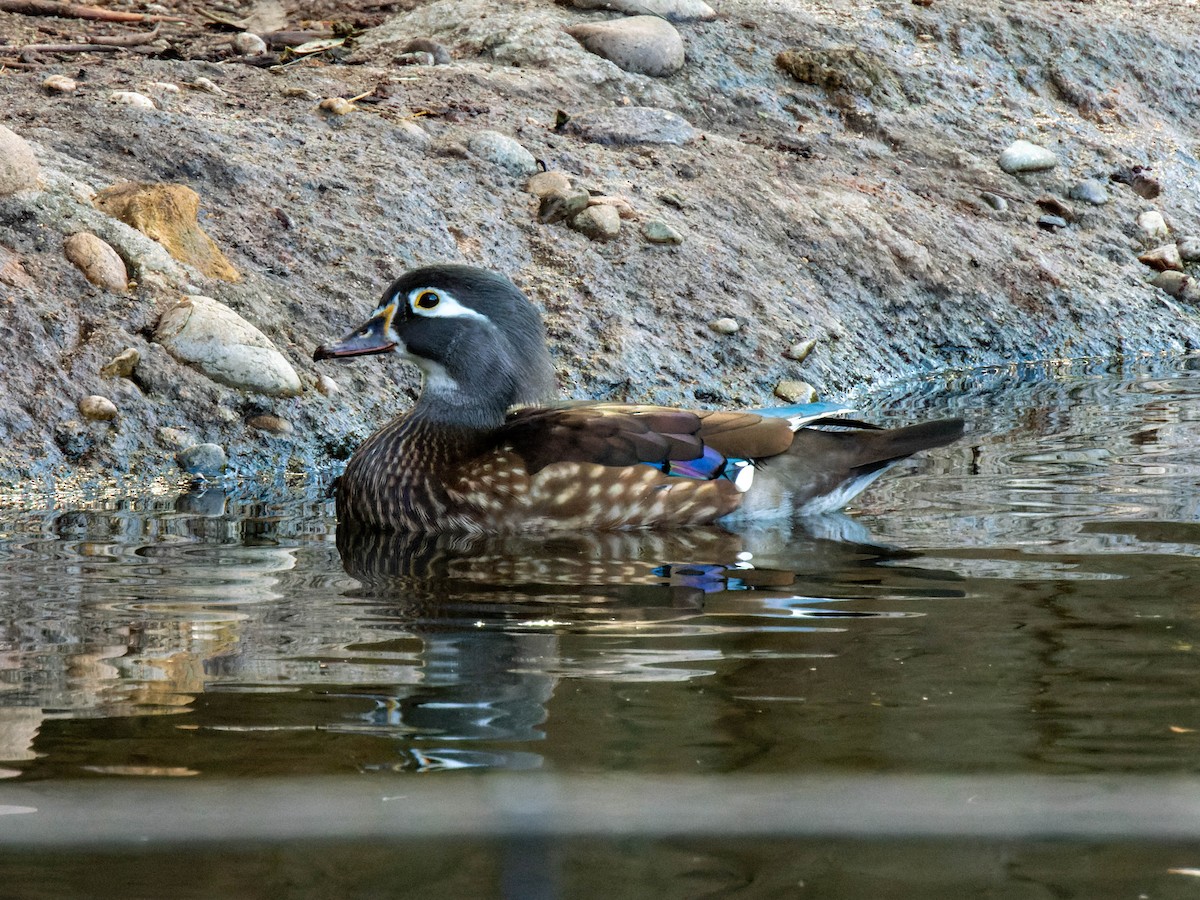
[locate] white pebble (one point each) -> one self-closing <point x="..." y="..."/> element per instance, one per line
<point x="724" y="326"/>
<point x="60" y="84"/>
<point x="1153" y="226"/>
<point x="327" y="385"/>
<point x="1022" y="156"/>
<point x="249" y="44"/>
<point x="207" y="85"/>
<point x="132" y="98"/>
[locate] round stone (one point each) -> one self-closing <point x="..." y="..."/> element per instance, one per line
<point x="132" y="98"/>
<point x="1189" y="249"/>
<point x="645" y="45"/>
<point x="502" y="150"/>
<point x="202" y="459"/>
<point x="326" y="386"/>
<point x="1153" y="226"/>
<point x="1171" y="281"/>
<point x="1022" y="156"/>
<point x="97" y="408"/>
<point x="552" y="182"/>
<point x="1089" y="191"/>
<point x="995" y="201"/>
<point x="600" y="223"/>
<point x="672" y="10"/>
<point x="800" y="350"/>
<point x="724" y="326"/>
<point x="249" y="44"/>
<point x="271" y="424"/>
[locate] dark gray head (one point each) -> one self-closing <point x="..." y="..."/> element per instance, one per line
<point x="479" y="342"/>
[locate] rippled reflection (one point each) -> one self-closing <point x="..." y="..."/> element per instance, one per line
<point x="1021" y="601"/>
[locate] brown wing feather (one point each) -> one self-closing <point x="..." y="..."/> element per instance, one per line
<point x="608" y="434"/>
<point x="744" y="435"/>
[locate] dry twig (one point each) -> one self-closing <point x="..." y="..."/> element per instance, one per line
<point x="75" y="11"/>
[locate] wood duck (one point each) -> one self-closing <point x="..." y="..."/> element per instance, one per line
<point x="486" y="449"/>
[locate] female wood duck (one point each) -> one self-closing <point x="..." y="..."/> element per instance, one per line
<point x="483" y="452"/>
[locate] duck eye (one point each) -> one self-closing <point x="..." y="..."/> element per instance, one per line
<point x="427" y="300"/>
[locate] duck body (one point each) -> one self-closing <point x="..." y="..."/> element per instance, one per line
<point x="482" y="451"/>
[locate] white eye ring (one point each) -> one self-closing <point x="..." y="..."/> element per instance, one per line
<point x="438" y="304"/>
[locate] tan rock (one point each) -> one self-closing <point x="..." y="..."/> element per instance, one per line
<point x="271" y="424"/>
<point x="167" y="213"/>
<point x="1162" y="258"/>
<point x="552" y="182"/>
<point x="98" y="262"/>
<point x="795" y="391"/>
<point x="97" y="408"/>
<point x="121" y="365"/>
<point x="600" y="223"/>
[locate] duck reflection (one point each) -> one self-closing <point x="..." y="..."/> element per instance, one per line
<point x="494" y="615"/>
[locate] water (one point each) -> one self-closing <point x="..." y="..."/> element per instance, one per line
<point x="1011" y="621"/>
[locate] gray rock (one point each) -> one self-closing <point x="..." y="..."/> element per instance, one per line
<point x="657" y="231"/>
<point x="1189" y="249"/>
<point x="18" y="165"/>
<point x="1172" y="282"/>
<point x="1153" y="226"/>
<point x="209" y="335"/>
<point x="1051" y="223"/>
<point x="600" y="223"/>
<point x="98" y="261"/>
<point x="672" y="10"/>
<point x="995" y="201"/>
<point x="1161" y="258"/>
<point x="437" y="53"/>
<point x="795" y="391"/>
<point x="121" y="365"/>
<point x="202" y="459"/>
<point x="1089" y="191"/>
<point x="97" y="408"/>
<point x="646" y="45"/>
<point x="632" y="125"/>
<point x="1022" y="156"/>
<point x="724" y="326"/>
<point x="174" y="438"/>
<point x="503" y="151"/>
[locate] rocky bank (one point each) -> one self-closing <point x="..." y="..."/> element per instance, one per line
<point x="751" y="196"/>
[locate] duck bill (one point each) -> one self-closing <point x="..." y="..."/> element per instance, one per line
<point x="372" y="336"/>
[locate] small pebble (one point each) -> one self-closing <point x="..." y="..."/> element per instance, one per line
<point x="557" y="206"/>
<point x="672" y="199"/>
<point x="301" y="93"/>
<point x="1153" y="226"/>
<point x="658" y="232"/>
<point x="202" y="459"/>
<point x="623" y="207"/>
<point x="438" y="53"/>
<point x="1051" y="223"/>
<point x="724" y="326"/>
<point x="132" y="98"/>
<point x="550" y="182"/>
<point x="249" y="44"/>
<point x="1089" y="191"/>
<point x="207" y="85"/>
<point x="1022" y="156"/>
<point x="600" y="223"/>
<point x="672" y="10"/>
<point x="1056" y="207"/>
<point x="166" y="87"/>
<point x="645" y="45"/>
<point x="796" y="392"/>
<point x="121" y="365"/>
<point x="338" y="106"/>
<point x="270" y="424"/>
<point x="1189" y="249"/>
<point x="97" y="408"/>
<point x="419" y="58"/>
<point x="1164" y="257"/>
<point x="995" y="201"/>
<point x="59" y="84"/>
<point x="800" y="350"/>
<point x="18" y="165"/>
<point x="98" y="261"/>
<point x="1172" y="282"/>
<point x="174" y="438"/>
<point x="503" y="151"/>
<point x="327" y="386"/>
<point x="448" y="146"/>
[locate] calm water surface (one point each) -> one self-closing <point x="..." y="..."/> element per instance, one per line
<point x="1022" y="604"/>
